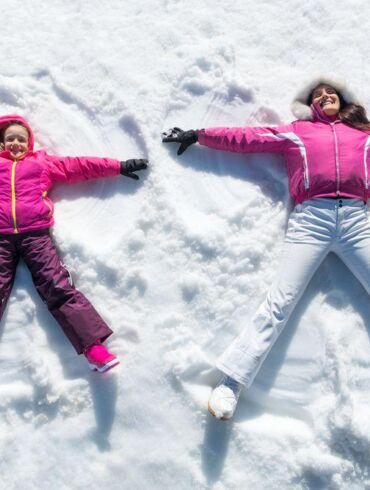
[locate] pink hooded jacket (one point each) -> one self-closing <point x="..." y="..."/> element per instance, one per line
<point x="24" y="183"/>
<point x="324" y="158"/>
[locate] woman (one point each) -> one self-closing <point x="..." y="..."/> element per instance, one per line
<point x="327" y="156"/>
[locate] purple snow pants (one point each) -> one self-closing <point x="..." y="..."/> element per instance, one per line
<point x="75" y="314"/>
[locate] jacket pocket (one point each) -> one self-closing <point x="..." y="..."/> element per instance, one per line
<point x="48" y="204"/>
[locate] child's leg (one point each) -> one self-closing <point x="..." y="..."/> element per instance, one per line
<point x="75" y="314"/>
<point x="8" y="263"/>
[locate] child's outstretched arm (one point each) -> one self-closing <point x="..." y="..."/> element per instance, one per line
<point x="76" y="169"/>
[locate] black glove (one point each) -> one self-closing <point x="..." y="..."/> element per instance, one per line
<point x="177" y="135"/>
<point x="128" y="167"/>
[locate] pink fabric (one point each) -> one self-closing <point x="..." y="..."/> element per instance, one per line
<point x="98" y="354"/>
<point x="324" y="158"/>
<point x="34" y="176"/>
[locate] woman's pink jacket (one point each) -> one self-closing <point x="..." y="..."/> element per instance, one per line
<point x="25" y="183"/>
<point x="324" y="158"/>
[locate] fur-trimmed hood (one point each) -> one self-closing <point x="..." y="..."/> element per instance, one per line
<point x="303" y="111"/>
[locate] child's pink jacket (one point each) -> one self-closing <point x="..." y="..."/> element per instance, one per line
<point x="324" y="158"/>
<point x="24" y="183"/>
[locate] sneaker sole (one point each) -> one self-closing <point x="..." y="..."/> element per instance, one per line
<point x="215" y="416"/>
<point x="102" y="369"/>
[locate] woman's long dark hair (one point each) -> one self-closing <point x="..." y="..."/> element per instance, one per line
<point x="352" y="114"/>
<point x="355" y="115"/>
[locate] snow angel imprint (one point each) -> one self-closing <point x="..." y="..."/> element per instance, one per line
<point x="327" y="154"/>
<point x="26" y="215"/>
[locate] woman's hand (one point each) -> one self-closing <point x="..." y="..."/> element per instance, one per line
<point x="128" y="167"/>
<point x="177" y="135"/>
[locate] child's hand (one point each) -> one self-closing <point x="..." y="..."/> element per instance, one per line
<point x="128" y="167"/>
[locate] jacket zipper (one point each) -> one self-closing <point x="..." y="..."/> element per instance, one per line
<point x="14" y="197"/>
<point x="336" y="157"/>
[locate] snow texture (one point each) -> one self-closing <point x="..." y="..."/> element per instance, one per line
<point x="178" y="262"/>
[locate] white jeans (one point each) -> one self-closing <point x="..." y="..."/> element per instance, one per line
<point x="315" y="228"/>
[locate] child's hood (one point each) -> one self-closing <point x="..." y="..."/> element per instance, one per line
<point x="5" y="120"/>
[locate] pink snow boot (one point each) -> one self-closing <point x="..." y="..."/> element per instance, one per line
<point x="99" y="358"/>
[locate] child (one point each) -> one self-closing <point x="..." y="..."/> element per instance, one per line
<point x="26" y="215"/>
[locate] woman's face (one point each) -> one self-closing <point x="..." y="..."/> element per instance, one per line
<point x="327" y="98"/>
<point x="16" y="140"/>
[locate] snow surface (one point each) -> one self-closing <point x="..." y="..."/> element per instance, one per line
<point x="178" y="262"/>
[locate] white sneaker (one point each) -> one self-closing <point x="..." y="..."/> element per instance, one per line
<point x="224" y="398"/>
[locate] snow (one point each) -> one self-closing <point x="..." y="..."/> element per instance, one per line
<point x="177" y="262"/>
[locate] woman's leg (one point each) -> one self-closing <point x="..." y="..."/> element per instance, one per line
<point x="75" y="314"/>
<point x="244" y="357"/>
<point x="353" y="245"/>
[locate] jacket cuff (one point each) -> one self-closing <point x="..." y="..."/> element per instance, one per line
<point x="201" y="133"/>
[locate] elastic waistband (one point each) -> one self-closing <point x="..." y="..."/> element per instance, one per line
<point x="332" y="203"/>
<point x="337" y="197"/>
<point x="14" y="237"/>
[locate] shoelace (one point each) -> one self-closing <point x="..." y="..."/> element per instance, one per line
<point x="234" y="386"/>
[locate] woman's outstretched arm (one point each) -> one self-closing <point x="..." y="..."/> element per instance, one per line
<point x="272" y="139"/>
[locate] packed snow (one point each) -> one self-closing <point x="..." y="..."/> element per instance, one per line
<point x="178" y="262"/>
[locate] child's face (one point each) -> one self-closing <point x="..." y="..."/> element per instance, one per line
<point x="16" y="140"/>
